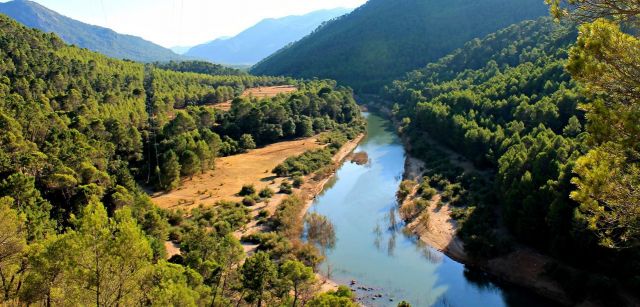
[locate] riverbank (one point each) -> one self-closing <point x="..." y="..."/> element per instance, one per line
<point x="523" y="267"/>
<point x="312" y="186"/>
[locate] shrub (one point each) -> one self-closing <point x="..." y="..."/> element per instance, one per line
<point x="248" y="201"/>
<point x="304" y="164"/>
<point x="287" y="218"/>
<point x="286" y="188"/>
<point x="247" y="189"/>
<point x="297" y="182"/>
<point x="266" y="193"/>
<point x="405" y="189"/>
<point x="263" y="213"/>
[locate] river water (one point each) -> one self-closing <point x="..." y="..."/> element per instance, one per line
<point x="371" y="249"/>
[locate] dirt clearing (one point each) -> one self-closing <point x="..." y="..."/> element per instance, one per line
<point x="223" y="183"/>
<point x="258" y="92"/>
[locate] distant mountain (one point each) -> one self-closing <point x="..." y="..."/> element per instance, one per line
<point x="84" y="35"/>
<point x="180" y="49"/>
<point x="262" y="39"/>
<point x="384" y="39"/>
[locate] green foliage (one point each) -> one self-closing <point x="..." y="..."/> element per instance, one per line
<point x="170" y="172"/>
<point x="287" y="218"/>
<point x="298" y="181"/>
<point x="339" y="298"/>
<point x="246" y="142"/>
<point x="505" y="102"/>
<point x="266" y="193"/>
<point x="200" y="67"/>
<point x="247" y="189"/>
<point x="297" y="277"/>
<point x="13" y="238"/>
<point x="316" y="106"/>
<point x="84" y="35"/>
<point x="258" y="273"/>
<point x="286" y="187"/>
<point x="79" y="128"/>
<point x="304" y="164"/>
<point x="382" y="40"/>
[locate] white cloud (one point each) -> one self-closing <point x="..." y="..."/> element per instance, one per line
<point x="185" y="22"/>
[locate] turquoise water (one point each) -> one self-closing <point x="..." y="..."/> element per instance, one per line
<point x="391" y="266"/>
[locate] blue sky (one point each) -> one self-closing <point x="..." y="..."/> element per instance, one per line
<point x="185" y="22"/>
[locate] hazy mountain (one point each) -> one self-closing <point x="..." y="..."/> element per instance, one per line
<point x="180" y="49"/>
<point x="262" y="39"/>
<point x="84" y="35"/>
<point x="383" y="39"/>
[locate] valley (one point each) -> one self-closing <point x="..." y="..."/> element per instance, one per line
<point x="390" y="153"/>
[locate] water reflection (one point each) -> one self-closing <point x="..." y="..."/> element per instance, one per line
<point x="377" y="241"/>
<point x="320" y="231"/>
<point x="370" y="247"/>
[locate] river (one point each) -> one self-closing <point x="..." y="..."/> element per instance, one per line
<point x="387" y="265"/>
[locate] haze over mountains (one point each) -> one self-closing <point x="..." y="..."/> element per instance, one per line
<point x="262" y="39"/>
<point x="383" y="39"/>
<point x="95" y="38"/>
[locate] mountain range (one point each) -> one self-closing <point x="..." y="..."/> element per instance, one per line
<point x="383" y="39"/>
<point x="262" y="39"/>
<point x="95" y="38"/>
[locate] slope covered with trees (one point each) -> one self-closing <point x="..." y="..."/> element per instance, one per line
<point x="81" y="131"/>
<point x="383" y="39"/>
<point x="84" y="35"/>
<point x="200" y="67"/>
<point x="507" y="103"/>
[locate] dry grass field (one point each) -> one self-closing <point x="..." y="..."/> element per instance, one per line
<point x="259" y="92"/>
<point x="223" y="183"/>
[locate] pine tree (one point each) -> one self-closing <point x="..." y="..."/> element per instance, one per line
<point x="170" y="173"/>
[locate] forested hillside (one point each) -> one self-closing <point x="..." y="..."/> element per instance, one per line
<point x="384" y="39"/>
<point x="507" y="103"/>
<point x="263" y="38"/>
<point x="81" y="132"/>
<point x="84" y="35"/>
<point x="200" y="67"/>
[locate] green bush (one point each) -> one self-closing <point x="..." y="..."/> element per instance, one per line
<point x="297" y="182"/>
<point x="266" y="193"/>
<point x="248" y="201"/>
<point x="286" y="188"/>
<point x="247" y="189"/>
<point x="304" y="164"/>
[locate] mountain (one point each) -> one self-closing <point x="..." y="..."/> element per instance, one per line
<point x="262" y="39"/>
<point x="180" y="49"/>
<point x="84" y="35"/>
<point x="383" y="39"/>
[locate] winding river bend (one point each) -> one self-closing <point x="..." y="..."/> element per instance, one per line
<point x="388" y="266"/>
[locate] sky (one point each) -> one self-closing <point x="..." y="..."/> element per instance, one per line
<point x="185" y="22"/>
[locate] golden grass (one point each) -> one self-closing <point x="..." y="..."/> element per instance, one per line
<point x="223" y="183"/>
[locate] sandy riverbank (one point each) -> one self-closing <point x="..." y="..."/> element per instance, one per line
<point x="523" y="267"/>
